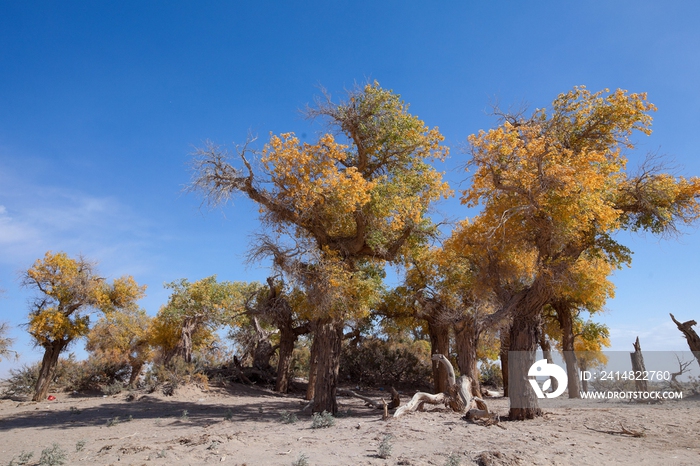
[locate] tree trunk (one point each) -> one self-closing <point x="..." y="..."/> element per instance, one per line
<point x="329" y="334"/>
<point x="48" y="368"/>
<point x="522" y="355"/>
<point x="527" y="320"/>
<point x="286" y="348"/>
<point x="466" y="341"/>
<point x="183" y="348"/>
<point x="136" y="366"/>
<point x="566" y="324"/>
<point x="439" y="344"/>
<point x="313" y="367"/>
<point x="690" y="335"/>
<point x="638" y="366"/>
<point x="584" y="368"/>
<point x="505" y="347"/>
<point x="547" y="353"/>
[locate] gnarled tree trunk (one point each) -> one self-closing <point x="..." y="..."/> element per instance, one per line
<point x="547" y="353"/>
<point x="286" y="348"/>
<point x="524" y="330"/>
<point x="329" y="337"/>
<point x="466" y="340"/>
<point x="503" y="354"/>
<point x="690" y="335"/>
<point x="183" y="348"/>
<point x="439" y="344"/>
<point x="136" y="367"/>
<point x="48" y="368"/>
<point x="523" y="345"/>
<point x="459" y="395"/>
<point x="566" y="324"/>
<point x="313" y="366"/>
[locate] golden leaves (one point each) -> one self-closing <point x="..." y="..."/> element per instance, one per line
<point x="68" y="291"/>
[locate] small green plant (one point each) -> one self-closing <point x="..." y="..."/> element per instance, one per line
<point x="161" y="454"/>
<point x="130" y="418"/>
<point x="74" y="410"/>
<point x="288" y="418"/>
<point x="53" y="456"/>
<point x="303" y="460"/>
<point x="384" y="450"/>
<point x="113" y="422"/>
<point x="113" y="388"/>
<point x="24" y="458"/>
<point x="453" y="460"/>
<point x="322" y="420"/>
<point x="214" y="445"/>
<point x="229" y="415"/>
<point x="185" y="415"/>
<point x="80" y="444"/>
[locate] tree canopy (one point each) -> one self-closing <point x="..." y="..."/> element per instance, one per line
<point x="68" y="292"/>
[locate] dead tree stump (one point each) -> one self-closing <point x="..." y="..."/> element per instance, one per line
<point x="690" y="335"/>
<point x="638" y="367"/>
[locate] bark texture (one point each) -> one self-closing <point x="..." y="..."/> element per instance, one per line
<point x="458" y="397"/>
<point x="466" y="340"/>
<point x="690" y="335"/>
<point x="638" y="366"/>
<point x="523" y="339"/>
<point x="505" y="347"/>
<point x="566" y="324"/>
<point x="48" y="368"/>
<point x="329" y="334"/>
<point x="439" y="344"/>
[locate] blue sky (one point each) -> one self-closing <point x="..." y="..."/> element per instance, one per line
<point x="101" y="104"/>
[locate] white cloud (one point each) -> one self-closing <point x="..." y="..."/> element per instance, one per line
<point x="653" y="336"/>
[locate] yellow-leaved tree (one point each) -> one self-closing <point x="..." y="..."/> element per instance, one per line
<point x="122" y="338"/>
<point x="194" y="311"/>
<point x="68" y="291"/>
<point x="555" y="184"/>
<point x="346" y="204"/>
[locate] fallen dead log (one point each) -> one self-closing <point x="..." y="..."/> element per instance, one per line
<point x="458" y="396"/>
<point x="381" y="404"/>
<point x="624" y="431"/>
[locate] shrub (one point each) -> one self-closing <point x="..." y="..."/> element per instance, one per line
<point x="53" y="456"/>
<point x="112" y="389"/>
<point x="303" y="460"/>
<point x="177" y="372"/>
<point x="453" y="460"/>
<point x="490" y="374"/>
<point x="71" y="375"/>
<point x="288" y="418"/>
<point x="23" y="459"/>
<point x="322" y="420"/>
<point x="385" y="447"/>
<point x="378" y="362"/>
<point x="22" y="381"/>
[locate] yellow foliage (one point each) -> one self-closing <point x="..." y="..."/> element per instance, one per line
<point x="122" y="336"/>
<point x="554" y="190"/>
<point x="69" y="290"/>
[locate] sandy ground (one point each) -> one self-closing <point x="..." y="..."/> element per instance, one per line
<point x="241" y="426"/>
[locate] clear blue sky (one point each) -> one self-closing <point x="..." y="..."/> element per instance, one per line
<point x="101" y="103"/>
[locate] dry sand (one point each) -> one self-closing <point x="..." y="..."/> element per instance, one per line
<point x="151" y="430"/>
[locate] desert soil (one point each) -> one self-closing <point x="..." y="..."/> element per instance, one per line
<point x="242" y="425"/>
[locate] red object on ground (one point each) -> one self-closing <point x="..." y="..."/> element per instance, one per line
<point x="51" y="398"/>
